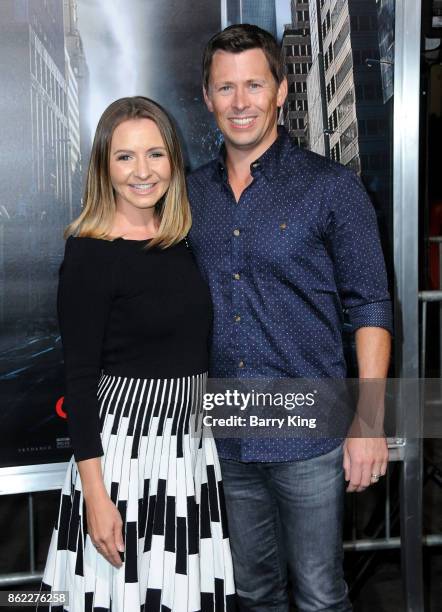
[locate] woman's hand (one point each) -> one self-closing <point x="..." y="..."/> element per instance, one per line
<point x="105" y="525"/>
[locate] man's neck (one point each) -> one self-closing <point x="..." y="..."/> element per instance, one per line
<point x="238" y="161"/>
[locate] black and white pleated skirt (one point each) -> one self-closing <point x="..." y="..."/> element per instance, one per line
<point x="161" y="470"/>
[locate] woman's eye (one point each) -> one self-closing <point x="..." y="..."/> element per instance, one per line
<point x="157" y="154"/>
<point x="123" y="157"/>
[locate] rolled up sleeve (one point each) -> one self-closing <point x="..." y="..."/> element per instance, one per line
<point x="354" y="244"/>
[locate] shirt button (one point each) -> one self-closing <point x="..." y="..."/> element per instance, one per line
<point x="256" y="164"/>
<point x="236" y="232"/>
<point x="283" y="226"/>
<point x="236" y="276"/>
<point x="241" y="364"/>
<point x="237" y="318"/>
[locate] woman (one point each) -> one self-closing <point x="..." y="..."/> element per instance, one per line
<point x="141" y="523"/>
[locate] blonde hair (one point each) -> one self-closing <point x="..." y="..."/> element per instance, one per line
<point x="173" y="210"/>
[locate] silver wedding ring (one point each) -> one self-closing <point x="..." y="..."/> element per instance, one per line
<point x="375" y="477"/>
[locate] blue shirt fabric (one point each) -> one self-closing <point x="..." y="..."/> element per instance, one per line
<point x="300" y="247"/>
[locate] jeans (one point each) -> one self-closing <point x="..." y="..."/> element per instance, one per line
<point x="287" y="515"/>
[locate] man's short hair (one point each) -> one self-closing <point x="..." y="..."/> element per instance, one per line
<point x="241" y="37"/>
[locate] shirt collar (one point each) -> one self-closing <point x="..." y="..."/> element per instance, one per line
<point x="270" y="161"/>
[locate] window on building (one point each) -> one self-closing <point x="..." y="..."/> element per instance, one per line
<point x="355" y="164"/>
<point x="349" y="135"/>
<point x="330" y="123"/>
<point x="341" y="37"/>
<point x="333" y="121"/>
<point x="364" y="163"/>
<point x="336" y="152"/>
<point x="344" y="70"/>
<point x="346" y="104"/>
<point x="374" y="161"/>
<point x="372" y="127"/>
<point x="369" y="91"/>
<point x="363" y="23"/>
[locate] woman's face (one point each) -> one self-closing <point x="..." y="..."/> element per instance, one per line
<point x="139" y="167"/>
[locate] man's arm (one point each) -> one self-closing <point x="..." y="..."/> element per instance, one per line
<point x="364" y="455"/>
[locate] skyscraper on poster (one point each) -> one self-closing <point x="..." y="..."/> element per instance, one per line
<point x="258" y="12"/>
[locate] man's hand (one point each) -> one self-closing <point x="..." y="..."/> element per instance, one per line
<point x="365" y="449"/>
<point x="364" y="457"/>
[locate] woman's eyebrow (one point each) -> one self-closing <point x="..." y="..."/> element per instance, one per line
<point x="130" y="151"/>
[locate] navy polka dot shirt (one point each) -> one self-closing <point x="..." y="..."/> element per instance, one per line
<point x="283" y="264"/>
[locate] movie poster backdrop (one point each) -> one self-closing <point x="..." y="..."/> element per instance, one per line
<point x="63" y="61"/>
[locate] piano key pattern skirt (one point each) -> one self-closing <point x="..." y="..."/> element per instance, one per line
<point x="161" y="470"/>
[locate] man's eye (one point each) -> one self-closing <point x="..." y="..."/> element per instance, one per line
<point x="225" y="88"/>
<point x="255" y="85"/>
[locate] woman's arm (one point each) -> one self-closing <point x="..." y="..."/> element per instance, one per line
<point x="103" y="519"/>
<point x="84" y="301"/>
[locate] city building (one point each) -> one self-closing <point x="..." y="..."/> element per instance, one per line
<point x="356" y="117"/>
<point x="316" y="99"/>
<point x="349" y="94"/>
<point x="34" y="130"/>
<point x="385" y="10"/>
<point x="77" y="78"/>
<point x="258" y="12"/>
<point x="297" y="53"/>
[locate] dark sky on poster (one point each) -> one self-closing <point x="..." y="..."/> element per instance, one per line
<point x="152" y="48"/>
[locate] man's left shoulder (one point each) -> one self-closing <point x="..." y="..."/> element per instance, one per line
<point x="318" y="166"/>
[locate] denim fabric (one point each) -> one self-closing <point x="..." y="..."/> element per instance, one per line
<point x="287" y="516"/>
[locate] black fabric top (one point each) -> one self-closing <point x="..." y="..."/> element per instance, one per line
<point x="130" y="312"/>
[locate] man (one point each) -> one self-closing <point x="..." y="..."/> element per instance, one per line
<point x="287" y="240"/>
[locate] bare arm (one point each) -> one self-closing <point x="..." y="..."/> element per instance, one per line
<point x="367" y="454"/>
<point x="103" y="519"/>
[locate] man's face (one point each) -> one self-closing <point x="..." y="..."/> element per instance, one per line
<point x="243" y="96"/>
